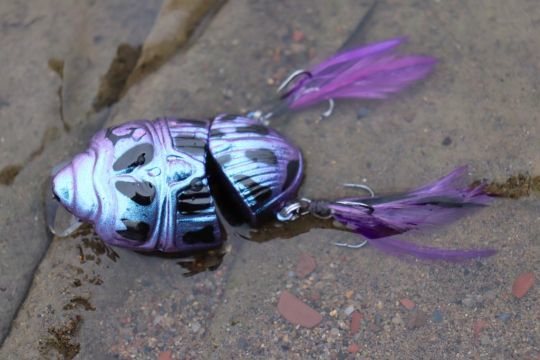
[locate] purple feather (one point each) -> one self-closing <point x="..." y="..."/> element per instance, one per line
<point x="370" y="72"/>
<point x="398" y="247"/>
<point x="379" y="219"/>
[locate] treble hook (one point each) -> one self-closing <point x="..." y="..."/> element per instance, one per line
<point x="352" y="246"/>
<point x="331" y="104"/>
<point x="354" y="203"/>
<point x="290" y="78"/>
<point x="264" y="117"/>
<point x="357" y="203"/>
<point x="330" y="110"/>
<point x="361" y="186"/>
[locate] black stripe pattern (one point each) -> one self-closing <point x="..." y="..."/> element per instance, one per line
<point x="196" y="222"/>
<point x="259" y="163"/>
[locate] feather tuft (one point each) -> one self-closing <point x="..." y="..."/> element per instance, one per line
<point x="380" y="219"/>
<point x="371" y="72"/>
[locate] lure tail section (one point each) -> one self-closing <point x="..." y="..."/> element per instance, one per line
<point x="380" y="219"/>
<point x="374" y="71"/>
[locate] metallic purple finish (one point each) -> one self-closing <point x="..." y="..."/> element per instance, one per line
<point x="262" y="169"/>
<point x="93" y="186"/>
<point x="144" y="184"/>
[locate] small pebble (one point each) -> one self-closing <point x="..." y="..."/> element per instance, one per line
<point x="437" y="316"/>
<point x="298" y="48"/>
<point x="298" y="36"/>
<point x="165" y="355"/>
<point x="484" y="340"/>
<point x="353" y="348"/>
<point x="243" y="343"/>
<point x="296" y="311"/>
<point x="416" y="320"/>
<point x="349" y="310"/>
<point x="522" y="284"/>
<point x="504" y="317"/>
<point x="305" y="265"/>
<point x="447" y="141"/>
<point x="407" y="304"/>
<point x="157" y="320"/>
<point x="227" y="93"/>
<point x="396" y="320"/>
<point x="356" y="318"/>
<point x="195" y="327"/>
<point x="362" y="113"/>
<point x="479" y="326"/>
<point x="471" y="300"/>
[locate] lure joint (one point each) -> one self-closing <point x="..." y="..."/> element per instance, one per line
<point x="294" y="210"/>
<point x="319" y="209"/>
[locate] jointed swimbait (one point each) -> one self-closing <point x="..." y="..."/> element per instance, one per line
<point x="150" y="185"/>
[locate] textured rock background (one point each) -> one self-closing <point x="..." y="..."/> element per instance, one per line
<point x="480" y="107"/>
<point x="39" y="106"/>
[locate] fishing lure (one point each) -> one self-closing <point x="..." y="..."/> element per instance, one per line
<point x="151" y="185"/>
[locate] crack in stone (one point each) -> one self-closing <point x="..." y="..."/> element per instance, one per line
<point x="9" y="173"/>
<point x="57" y="65"/>
<point x="113" y="83"/>
<point x="176" y="25"/>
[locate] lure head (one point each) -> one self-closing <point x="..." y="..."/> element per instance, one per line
<point x="143" y="185"/>
<point x="73" y="186"/>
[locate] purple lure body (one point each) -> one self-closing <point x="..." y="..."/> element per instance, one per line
<point x="144" y="184"/>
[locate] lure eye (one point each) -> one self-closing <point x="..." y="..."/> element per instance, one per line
<point x="138" y="155"/>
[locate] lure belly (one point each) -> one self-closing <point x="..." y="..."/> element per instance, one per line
<point x="151" y="185"/>
<point x="145" y="184"/>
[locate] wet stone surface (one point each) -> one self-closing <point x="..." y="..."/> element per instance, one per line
<point x="51" y="75"/>
<point x="479" y="107"/>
